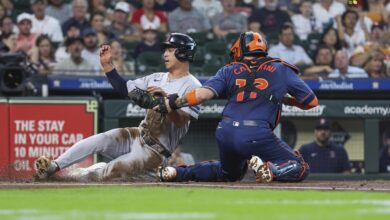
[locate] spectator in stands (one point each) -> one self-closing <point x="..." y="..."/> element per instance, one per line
<point x="62" y="51"/>
<point x="322" y="155"/>
<point x="375" y="66"/>
<point x="3" y="12"/>
<point x="187" y="19"/>
<point x="268" y="19"/>
<point x="91" y="48"/>
<point x="166" y="5"/>
<point x="353" y="37"/>
<point x="25" y="39"/>
<point x="244" y="7"/>
<point x="8" y="43"/>
<point x="7" y="25"/>
<point x="342" y="68"/>
<point x="97" y="23"/>
<point x="331" y="39"/>
<point x="59" y="10"/>
<point x="8" y="6"/>
<point x="291" y="7"/>
<point x="377" y="43"/>
<point x="45" y="24"/>
<point x="325" y="11"/>
<point x="96" y="6"/>
<point x="228" y="21"/>
<point x="43" y="55"/>
<point x="75" y="64"/>
<point x="375" y="10"/>
<point x="120" y="26"/>
<point x="149" y="42"/>
<point x="118" y="60"/>
<point x="322" y="64"/>
<point x="304" y="22"/>
<point x="384" y="155"/>
<point x="148" y="16"/>
<point x="288" y="51"/>
<point x="209" y="8"/>
<point x="79" y="9"/>
<point x="180" y="158"/>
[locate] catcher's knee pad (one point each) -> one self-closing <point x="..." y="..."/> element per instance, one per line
<point x="291" y="171"/>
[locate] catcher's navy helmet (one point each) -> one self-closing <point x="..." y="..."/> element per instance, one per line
<point x="248" y="44"/>
<point x="185" y="45"/>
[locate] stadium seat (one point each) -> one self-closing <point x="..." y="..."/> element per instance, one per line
<point x="216" y="52"/>
<point x="196" y="67"/>
<point x="231" y="38"/>
<point x="149" y="62"/>
<point x="311" y="44"/>
<point x="162" y="36"/>
<point x="20" y="6"/>
<point x="210" y="69"/>
<point x="201" y="38"/>
<point x="129" y="48"/>
<point x="272" y="38"/>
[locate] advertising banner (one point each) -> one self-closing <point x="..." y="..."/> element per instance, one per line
<point x="4" y="137"/>
<point x="47" y="127"/>
<point x="214" y="109"/>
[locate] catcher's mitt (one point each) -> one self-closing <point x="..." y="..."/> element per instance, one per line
<point x="147" y="100"/>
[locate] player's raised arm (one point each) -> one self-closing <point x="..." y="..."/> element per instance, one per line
<point x="105" y="58"/>
<point x="113" y="76"/>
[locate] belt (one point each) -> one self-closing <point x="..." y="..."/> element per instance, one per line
<point x="238" y="123"/>
<point x="155" y="144"/>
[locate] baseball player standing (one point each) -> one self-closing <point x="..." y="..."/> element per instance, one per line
<point x="136" y="149"/>
<point x="256" y="86"/>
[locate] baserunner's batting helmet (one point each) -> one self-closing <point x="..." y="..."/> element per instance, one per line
<point x="248" y="44"/>
<point x="185" y="45"/>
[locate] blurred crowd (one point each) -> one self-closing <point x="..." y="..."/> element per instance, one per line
<point x="325" y="38"/>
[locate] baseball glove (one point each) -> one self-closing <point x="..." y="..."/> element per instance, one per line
<point x="147" y="100"/>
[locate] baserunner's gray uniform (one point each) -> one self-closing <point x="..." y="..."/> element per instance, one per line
<point x="129" y="151"/>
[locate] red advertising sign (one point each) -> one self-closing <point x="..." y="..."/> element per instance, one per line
<point x="47" y="127"/>
<point x="4" y="150"/>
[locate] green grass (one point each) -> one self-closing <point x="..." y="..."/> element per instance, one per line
<point x="123" y="202"/>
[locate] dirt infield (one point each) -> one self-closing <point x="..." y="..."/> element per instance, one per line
<point x="380" y="186"/>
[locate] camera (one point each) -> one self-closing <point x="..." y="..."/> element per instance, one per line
<point x="14" y="72"/>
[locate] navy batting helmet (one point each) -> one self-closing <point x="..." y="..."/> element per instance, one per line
<point x="184" y="44"/>
<point x="248" y="44"/>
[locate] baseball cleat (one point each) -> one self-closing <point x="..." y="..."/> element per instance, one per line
<point x="262" y="170"/>
<point x="166" y="174"/>
<point x="44" y="167"/>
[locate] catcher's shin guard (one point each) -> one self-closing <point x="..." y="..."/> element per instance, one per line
<point x="291" y="171"/>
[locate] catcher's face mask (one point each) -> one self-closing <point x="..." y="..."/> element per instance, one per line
<point x="248" y="44"/>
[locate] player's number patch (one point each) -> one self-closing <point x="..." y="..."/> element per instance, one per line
<point x="259" y="83"/>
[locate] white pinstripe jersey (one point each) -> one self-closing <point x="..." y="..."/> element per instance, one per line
<point x="167" y="133"/>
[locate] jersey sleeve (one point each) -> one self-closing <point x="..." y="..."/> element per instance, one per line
<point x="298" y="88"/>
<point x="217" y="83"/>
<point x="141" y="83"/>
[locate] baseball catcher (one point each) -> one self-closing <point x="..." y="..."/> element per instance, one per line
<point x="256" y="86"/>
